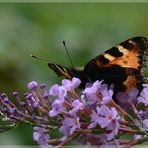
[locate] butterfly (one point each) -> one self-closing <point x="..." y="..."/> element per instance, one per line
<point x="121" y="65"/>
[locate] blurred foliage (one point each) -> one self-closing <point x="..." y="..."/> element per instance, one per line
<point x="39" y="29"/>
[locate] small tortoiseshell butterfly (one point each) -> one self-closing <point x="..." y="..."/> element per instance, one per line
<point x="122" y="65"/>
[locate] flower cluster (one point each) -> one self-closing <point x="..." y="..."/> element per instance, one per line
<point x="88" y="116"/>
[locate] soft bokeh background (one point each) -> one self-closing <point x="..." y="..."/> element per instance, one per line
<point x="39" y="29"/>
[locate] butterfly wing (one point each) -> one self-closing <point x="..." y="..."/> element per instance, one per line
<point x="122" y="65"/>
<point x="67" y="72"/>
<point x="61" y="70"/>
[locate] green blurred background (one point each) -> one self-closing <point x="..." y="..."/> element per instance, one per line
<point x="39" y="29"/>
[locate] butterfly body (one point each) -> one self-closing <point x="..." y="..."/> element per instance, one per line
<point x="122" y="65"/>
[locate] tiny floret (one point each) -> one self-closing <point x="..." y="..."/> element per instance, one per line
<point x="143" y="98"/>
<point x="32" y="85"/>
<point x="71" y="84"/>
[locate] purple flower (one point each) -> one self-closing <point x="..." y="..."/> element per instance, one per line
<point x="45" y="94"/>
<point x="92" y="93"/>
<point x="59" y="91"/>
<point x="145" y="124"/>
<point x="103" y="117"/>
<point x="69" y="125"/>
<point x="126" y="99"/>
<point x="32" y="85"/>
<point x="77" y="106"/>
<point x="94" y="118"/>
<point x="98" y="93"/>
<point x="107" y="116"/>
<point x="54" y="90"/>
<point x="36" y="104"/>
<point x="71" y="84"/>
<point x="113" y="127"/>
<point x="106" y="93"/>
<point x="87" y="113"/>
<point x="143" y="114"/>
<point x="37" y="133"/>
<point x="57" y="108"/>
<point x="143" y="96"/>
<point x="40" y="135"/>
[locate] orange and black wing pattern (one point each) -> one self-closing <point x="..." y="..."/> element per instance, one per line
<point x="121" y="65"/>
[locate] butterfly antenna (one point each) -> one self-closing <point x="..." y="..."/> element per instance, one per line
<point x="68" y="54"/>
<point x="41" y="59"/>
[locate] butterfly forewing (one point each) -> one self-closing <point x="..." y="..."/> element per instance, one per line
<point x="121" y="65"/>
